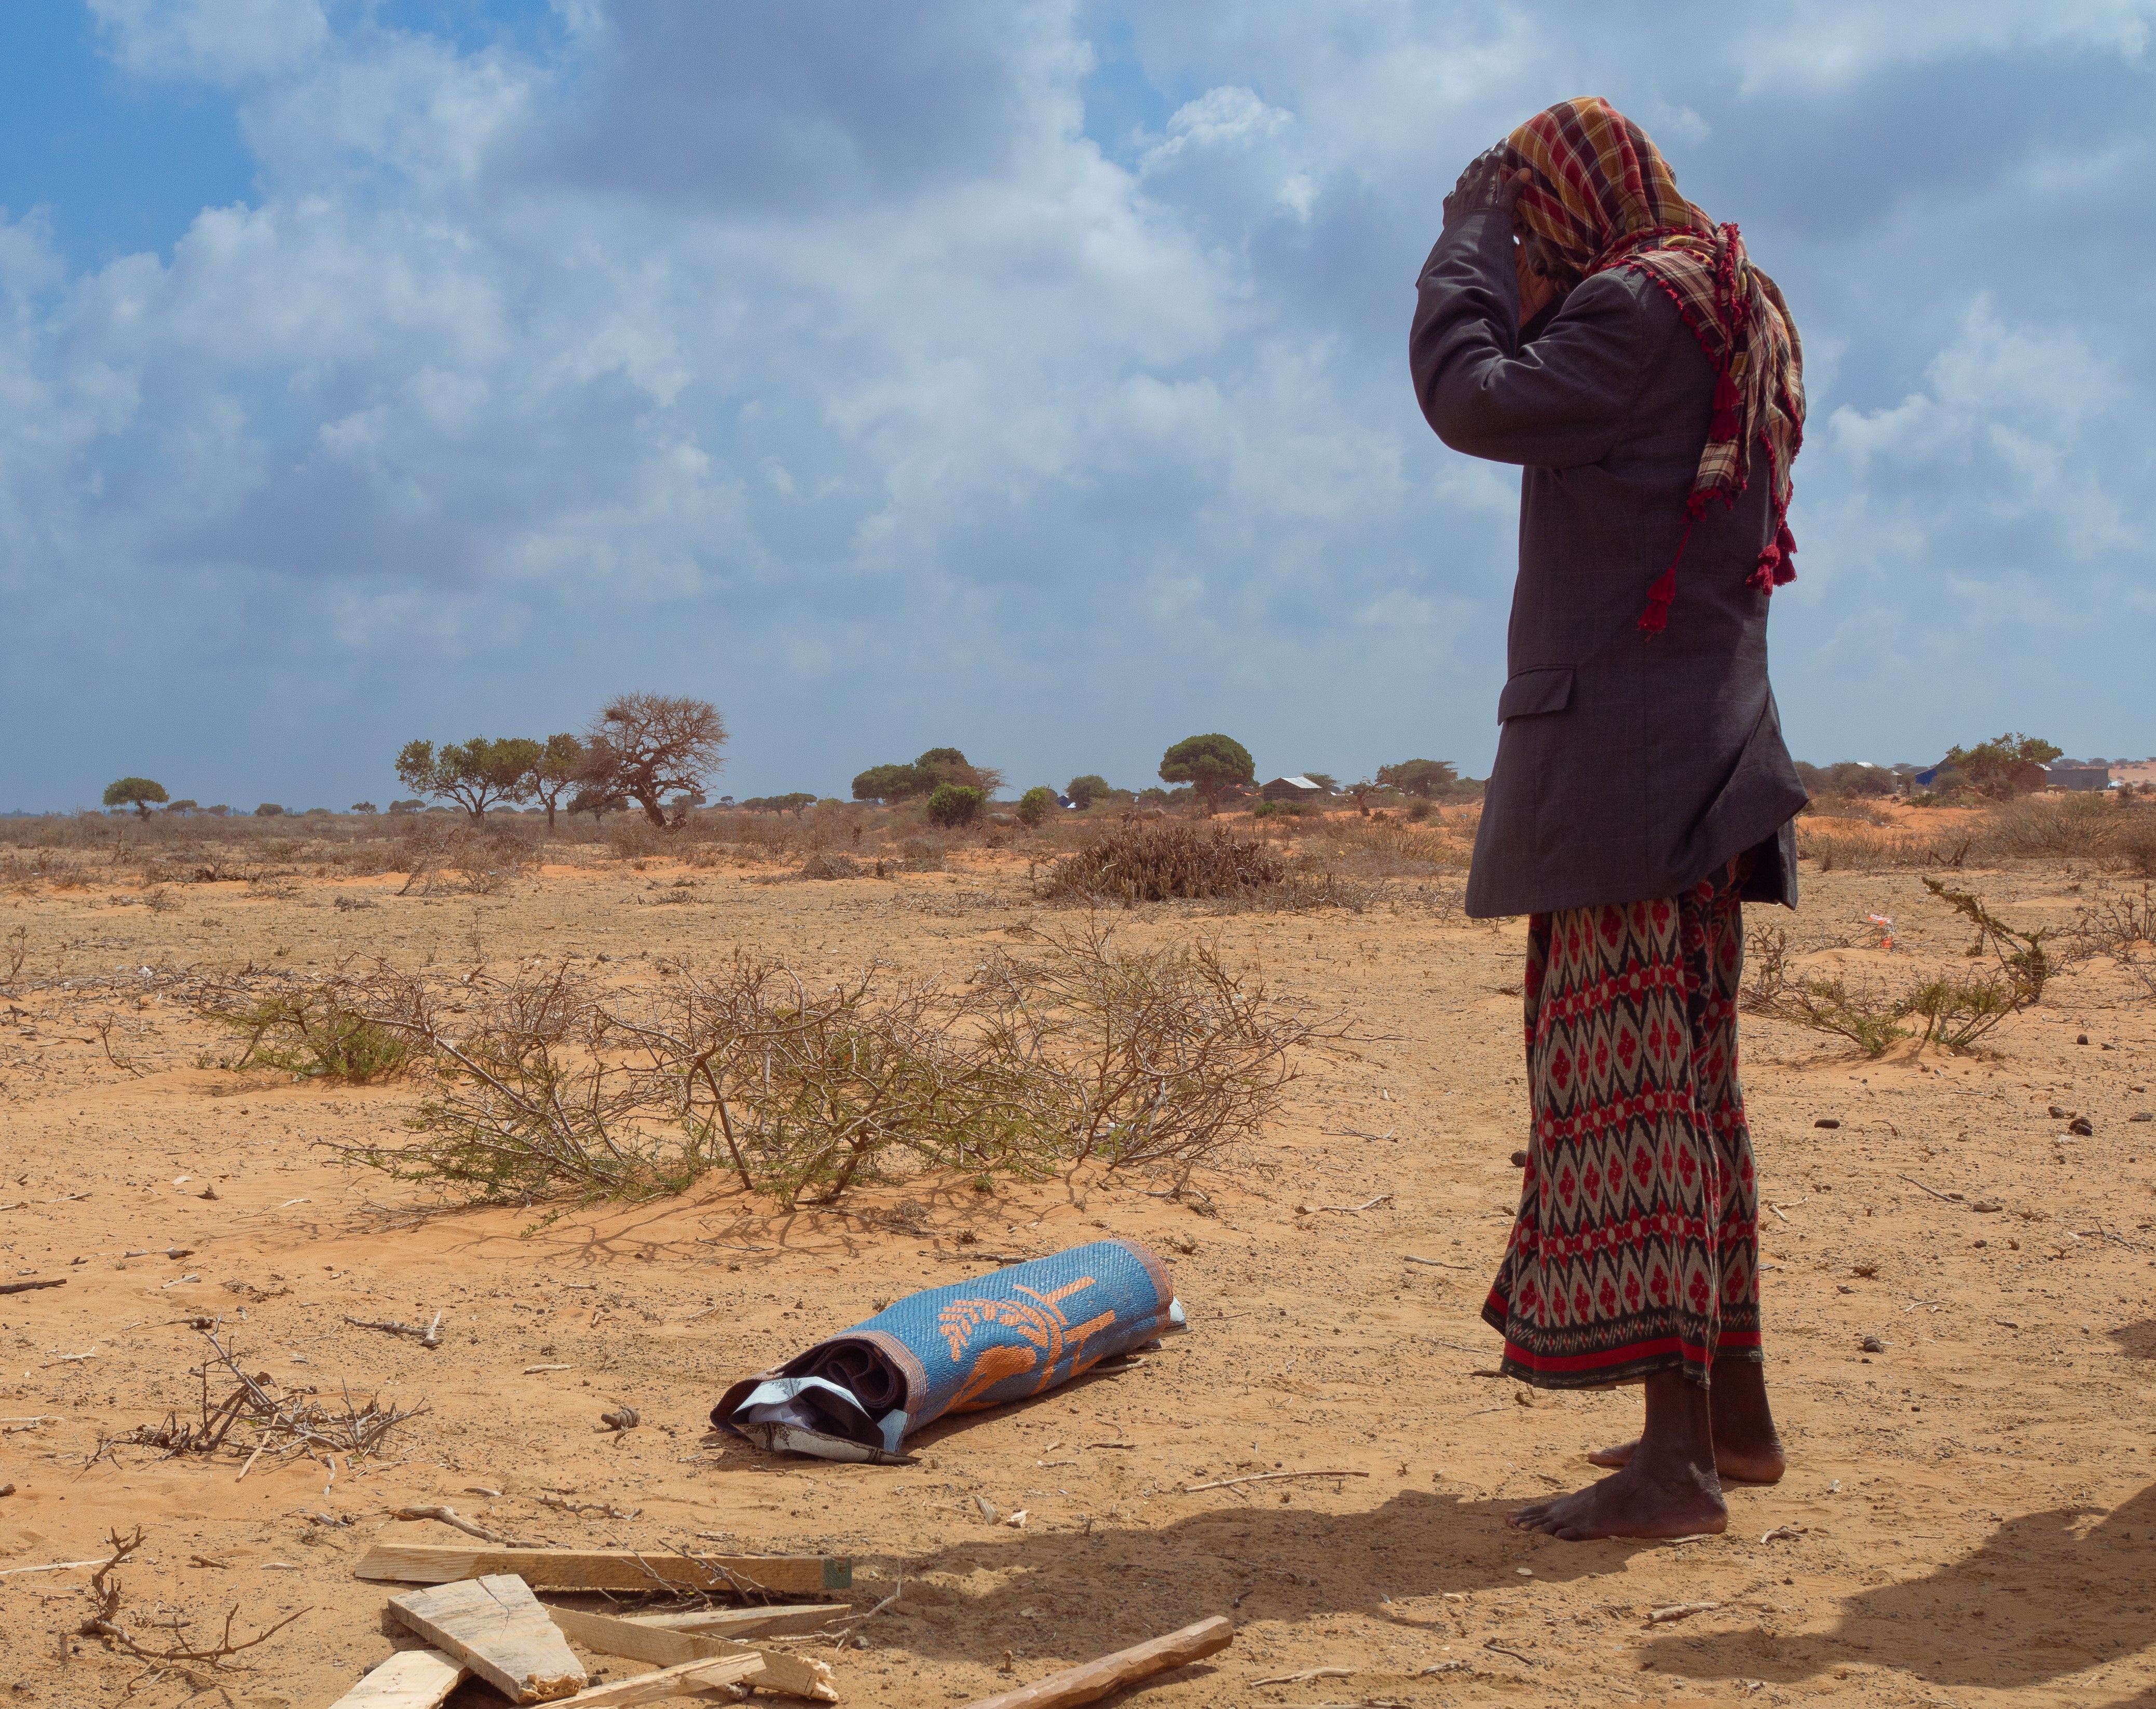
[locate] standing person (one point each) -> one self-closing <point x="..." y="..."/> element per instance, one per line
<point x="1581" y="319"/>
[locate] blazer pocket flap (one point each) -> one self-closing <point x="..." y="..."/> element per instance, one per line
<point x="1547" y="688"/>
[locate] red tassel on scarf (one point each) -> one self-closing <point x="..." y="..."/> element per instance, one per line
<point x="1772" y="570"/>
<point x="1726" y="398"/>
<point x="1656" y="617"/>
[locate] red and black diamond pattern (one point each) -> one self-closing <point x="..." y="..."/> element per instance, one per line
<point x="1637" y="1248"/>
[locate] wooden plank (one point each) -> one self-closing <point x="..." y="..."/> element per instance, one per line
<point x="610" y="1569"/>
<point x="689" y="1677"/>
<point x="410" y="1679"/>
<point x="749" y="1622"/>
<point x="1091" y="1680"/>
<point x="797" y="1676"/>
<point x="496" y="1627"/>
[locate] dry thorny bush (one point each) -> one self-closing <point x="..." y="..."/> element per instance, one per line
<point x="541" y="1088"/>
<point x="1175" y="860"/>
<point x="278" y="1420"/>
<point x="179" y="1655"/>
<point x="1953" y="1011"/>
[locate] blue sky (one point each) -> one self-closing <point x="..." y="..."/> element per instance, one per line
<point x="1029" y="378"/>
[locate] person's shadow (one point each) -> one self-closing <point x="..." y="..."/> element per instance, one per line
<point x="1074" y="1594"/>
<point x="2039" y="1598"/>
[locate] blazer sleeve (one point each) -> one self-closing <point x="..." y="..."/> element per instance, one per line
<point x="1556" y="403"/>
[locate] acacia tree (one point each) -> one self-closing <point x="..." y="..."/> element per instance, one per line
<point x="649" y="746"/>
<point x="1428" y="778"/>
<point x="475" y="774"/>
<point x="561" y="763"/>
<point x="137" y="793"/>
<point x="1087" y="789"/>
<point x="1209" y="764"/>
<point x="923" y="777"/>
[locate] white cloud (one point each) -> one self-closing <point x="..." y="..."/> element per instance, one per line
<point x="837" y="372"/>
<point x="211" y="41"/>
<point x="1220" y="118"/>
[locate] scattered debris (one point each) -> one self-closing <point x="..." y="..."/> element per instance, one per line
<point x="410" y="1679"/>
<point x="429" y="1337"/>
<point x="496" y="1627"/>
<point x="448" y="1516"/>
<point x="1872" y="1344"/>
<point x="1093" y="1680"/>
<point x="285" y="1421"/>
<point x="1350" y="1209"/>
<point x="1306" y="1677"/>
<point x="688" y="1679"/>
<point x="1265" y="1477"/>
<point x="798" y="1676"/>
<point x="1781" y="1533"/>
<point x="612" y="1569"/>
<point x="588" y="1509"/>
<point x="1680" y="1611"/>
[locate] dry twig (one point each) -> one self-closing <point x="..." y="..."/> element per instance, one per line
<point x="105" y="1623"/>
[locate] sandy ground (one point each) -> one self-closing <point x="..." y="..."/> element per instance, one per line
<point x="1969" y="1517"/>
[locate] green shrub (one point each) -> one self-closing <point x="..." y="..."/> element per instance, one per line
<point x="1036" y="804"/>
<point x="317" y="1033"/>
<point x="953" y="805"/>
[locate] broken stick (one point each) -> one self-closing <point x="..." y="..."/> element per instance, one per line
<point x="1265" y="1477"/>
<point x="57" y="1281"/>
<point x="449" y="1516"/>
<point x="1091" y="1680"/>
<point x="1680" y="1611"/>
<point x="429" y="1337"/>
<point x="745" y="1622"/>
<point x="690" y="1677"/>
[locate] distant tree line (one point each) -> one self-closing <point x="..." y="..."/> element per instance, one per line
<point x="655" y="751"/>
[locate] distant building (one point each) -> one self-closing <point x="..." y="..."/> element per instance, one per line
<point x="1294" y="789"/>
<point x="2077" y="774"/>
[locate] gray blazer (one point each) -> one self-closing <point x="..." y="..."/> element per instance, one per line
<point x="1630" y="766"/>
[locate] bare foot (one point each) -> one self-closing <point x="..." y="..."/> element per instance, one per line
<point x="1683" y="1503"/>
<point x="1731" y="1465"/>
<point x="1668" y="1489"/>
<point x="1747" y="1448"/>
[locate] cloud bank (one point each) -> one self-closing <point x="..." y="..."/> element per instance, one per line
<point x="1028" y="378"/>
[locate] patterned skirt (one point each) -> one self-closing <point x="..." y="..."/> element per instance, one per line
<point x="1636" y="1249"/>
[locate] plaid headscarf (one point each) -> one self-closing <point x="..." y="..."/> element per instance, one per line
<point x="1603" y="197"/>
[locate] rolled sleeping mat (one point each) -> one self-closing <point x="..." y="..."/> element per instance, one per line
<point x="965" y="1348"/>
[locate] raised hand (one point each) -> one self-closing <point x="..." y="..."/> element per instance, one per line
<point x="1490" y="184"/>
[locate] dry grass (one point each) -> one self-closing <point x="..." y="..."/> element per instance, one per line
<point x="1165" y="861"/>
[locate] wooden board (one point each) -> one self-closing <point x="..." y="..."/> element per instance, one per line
<point x="496" y="1627"/>
<point x="410" y="1679"/>
<point x="749" y="1622"/>
<point x="610" y="1569"/>
<point x="1090" y="1681"/>
<point x="682" y="1681"/>
<point x="797" y="1676"/>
